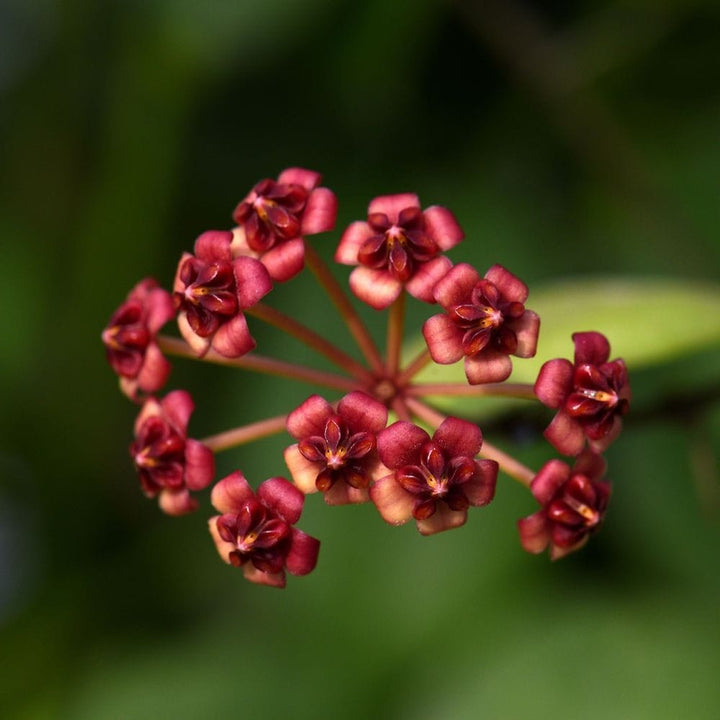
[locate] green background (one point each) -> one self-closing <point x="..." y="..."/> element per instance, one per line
<point x="572" y="140"/>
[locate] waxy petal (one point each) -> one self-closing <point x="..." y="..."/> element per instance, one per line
<point x="394" y="503"/>
<point x="282" y="498"/>
<point x="549" y="480"/>
<point x="444" y="339"/>
<point x="393" y="205"/>
<point x="233" y="339"/>
<point x="214" y="246"/>
<point x="199" y="465"/>
<point x="252" y="280"/>
<point x="303" y="554"/>
<point x="199" y="345"/>
<point x="442" y="519"/>
<point x="320" y="212"/>
<point x="526" y="330"/>
<point x="480" y="489"/>
<point x="554" y="382"/>
<point x="422" y="283"/>
<point x="263" y="578"/>
<point x="510" y="286"/>
<point x="565" y="434"/>
<point x="362" y="412"/>
<point x="177" y="503"/>
<point x="456" y="286"/>
<point x="178" y="406"/>
<point x="399" y="444"/>
<point x="491" y="366"/>
<point x="377" y="288"/>
<point x="154" y="371"/>
<point x="534" y="532"/>
<point x="591" y="347"/>
<point x="230" y="493"/>
<point x="458" y="437"/>
<point x="304" y="472"/>
<point x="343" y="494"/>
<point x="351" y="241"/>
<point x="286" y="260"/>
<point x="441" y="226"/>
<point x="309" y="418"/>
<point x="299" y="176"/>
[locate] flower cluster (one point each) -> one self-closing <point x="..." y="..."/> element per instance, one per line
<point x="382" y="441"/>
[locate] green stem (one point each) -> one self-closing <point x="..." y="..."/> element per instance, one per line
<point x="354" y="322"/>
<point x="395" y="328"/>
<point x="516" y="390"/>
<point x="260" y="363"/>
<point x="245" y="433"/>
<point x="303" y="333"/>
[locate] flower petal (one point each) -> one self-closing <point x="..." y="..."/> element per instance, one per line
<point x="343" y="494"/>
<point x="320" y="212"/>
<point x="154" y="371"/>
<point x="160" y="309"/>
<point x="393" y="205"/>
<point x="526" y="330"/>
<point x="442" y="519"/>
<point x="199" y="345"/>
<point x="177" y="502"/>
<point x="554" y="382"/>
<point x="252" y="281"/>
<point x="377" y="288"/>
<point x="548" y="480"/>
<point x="363" y="413"/>
<point x="299" y="176"/>
<point x="263" y="578"/>
<point x="444" y="339"/>
<point x="398" y="444"/>
<point x="199" y="465"/>
<point x="177" y="407"/>
<point x="510" y="286"/>
<point x="488" y="367"/>
<point x="282" y="498"/>
<point x="309" y="418"/>
<point x="534" y="532"/>
<point x="214" y="246"/>
<point x="480" y="489"/>
<point x="456" y="286"/>
<point x="230" y="493"/>
<point x="286" y="260"/>
<point x="422" y="283"/>
<point x="303" y="554"/>
<point x="591" y="347"/>
<point x="565" y="434"/>
<point x="394" y="504"/>
<point x="458" y="437"/>
<point x="224" y="548"/>
<point x="232" y="339"/>
<point x="351" y="241"/>
<point x="304" y="473"/>
<point x="442" y="226"/>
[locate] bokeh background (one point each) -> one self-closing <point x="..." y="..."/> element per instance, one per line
<point x="570" y="139"/>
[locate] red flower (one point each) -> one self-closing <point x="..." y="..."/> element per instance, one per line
<point x="591" y="396"/>
<point x="129" y="339"/>
<point x="434" y="481"/>
<point x="485" y="321"/>
<point x="399" y="246"/>
<point x="336" y="452"/>
<point x="573" y="506"/>
<point x="169" y="463"/>
<point x="212" y="289"/>
<point x="274" y="217"/>
<point x="255" y="529"/>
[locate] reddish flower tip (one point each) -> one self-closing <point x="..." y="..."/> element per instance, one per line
<point x="255" y="530"/>
<point x="485" y="321"/>
<point x="591" y="395"/>
<point x="169" y="463"/>
<point x="212" y="289"/>
<point x="129" y="339"/>
<point x="398" y="247"/>
<point x="336" y="449"/>
<point x="274" y="217"/>
<point x="573" y="503"/>
<point x="435" y="479"/>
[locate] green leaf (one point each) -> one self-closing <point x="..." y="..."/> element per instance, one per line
<point x="647" y="321"/>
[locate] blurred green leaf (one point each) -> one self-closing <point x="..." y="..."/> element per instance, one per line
<point x="647" y="321"/>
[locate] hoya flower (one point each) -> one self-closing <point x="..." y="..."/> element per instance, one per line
<point x="591" y="395"/>
<point x="485" y="321"/>
<point x="275" y="216"/>
<point x="336" y="449"/>
<point x="129" y="339"/>
<point x="433" y="480"/>
<point x="212" y="289"/>
<point x="255" y="529"/>
<point x="573" y="503"/>
<point x="169" y="463"/>
<point x="398" y="246"/>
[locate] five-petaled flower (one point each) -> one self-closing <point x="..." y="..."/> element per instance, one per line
<point x="336" y="449"/>
<point x="129" y="339"/>
<point x="169" y="463"/>
<point x="275" y="216"/>
<point x="591" y="396"/>
<point x="573" y="502"/>
<point x="255" y="529"/>
<point x="398" y="246"/>
<point x="485" y="321"/>
<point x="433" y="480"/>
<point x="212" y="289"/>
